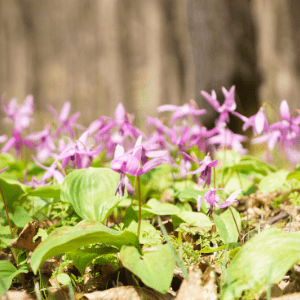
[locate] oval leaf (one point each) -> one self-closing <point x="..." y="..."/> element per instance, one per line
<point x="226" y="226"/>
<point x="273" y="181"/>
<point x="196" y="219"/>
<point x="66" y="239"/>
<point x="154" y="268"/>
<point x="263" y="259"/>
<point x="91" y="191"/>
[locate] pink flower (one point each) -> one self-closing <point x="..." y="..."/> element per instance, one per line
<point x="229" y="104"/>
<point x="188" y="109"/>
<point x="211" y="198"/>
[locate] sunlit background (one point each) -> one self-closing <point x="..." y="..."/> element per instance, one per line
<point x="96" y="54"/>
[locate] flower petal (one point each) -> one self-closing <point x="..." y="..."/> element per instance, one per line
<point x="285" y="111"/>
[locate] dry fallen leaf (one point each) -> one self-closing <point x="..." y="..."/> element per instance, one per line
<point x="16" y="295"/>
<point x="199" y="286"/>
<point x="128" y="292"/>
<point x="295" y="296"/>
<point x="24" y="240"/>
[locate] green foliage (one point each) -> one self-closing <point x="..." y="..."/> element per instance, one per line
<point x="192" y="219"/>
<point x="227" y="224"/>
<point x="7" y="272"/>
<point x="66" y="239"/>
<point x="265" y="258"/>
<point x="91" y="191"/>
<point x="273" y="181"/>
<point x="155" y="268"/>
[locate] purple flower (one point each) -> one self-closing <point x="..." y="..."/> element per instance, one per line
<point x="45" y="143"/>
<point x="258" y="121"/>
<point x="226" y="138"/>
<point x="285" y="130"/>
<point x="204" y="170"/>
<point x="229" y="104"/>
<point x="125" y="121"/>
<point x="76" y="152"/>
<point x="16" y="141"/>
<point x="125" y="163"/>
<point x="51" y="171"/>
<point x="188" y="109"/>
<point x="129" y="164"/>
<point x="33" y="182"/>
<point x="19" y="115"/>
<point x="66" y="123"/>
<point x="211" y="198"/>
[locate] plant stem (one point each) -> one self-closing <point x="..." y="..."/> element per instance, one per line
<point x="237" y="228"/>
<point x="7" y="216"/>
<point x="140" y="207"/>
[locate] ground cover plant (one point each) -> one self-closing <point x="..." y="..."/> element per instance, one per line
<point x="112" y="210"/>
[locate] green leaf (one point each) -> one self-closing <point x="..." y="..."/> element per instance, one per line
<point x="91" y="191"/>
<point x="147" y="234"/>
<point x="20" y="217"/>
<point x="189" y="194"/>
<point x="196" y="219"/>
<point x="264" y="258"/>
<point x="66" y="239"/>
<point x="154" y="268"/>
<point x="64" y="279"/>
<point x="226" y="226"/>
<point x="50" y="191"/>
<point x="7" y="272"/>
<point x="5" y="235"/>
<point x="155" y="207"/>
<point x="273" y="181"/>
<point x="238" y="181"/>
<point x="12" y="190"/>
<point x="293" y="175"/>
<point x="83" y="258"/>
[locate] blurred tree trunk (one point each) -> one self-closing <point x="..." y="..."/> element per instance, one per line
<point x="278" y="47"/>
<point x="99" y="53"/>
<point x="223" y="39"/>
<point x="96" y="54"/>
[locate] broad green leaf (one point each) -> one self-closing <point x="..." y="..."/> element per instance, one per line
<point x="91" y="191"/>
<point x="64" y="278"/>
<point x="196" y="219"/>
<point x="273" y="181"/>
<point x="20" y="217"/>
<point x="50" y="191"/>
<point x="130" y="215"/>
<point x="148" y="233"/>
<point x="264" y="258"/>
<point x="5" y="235"/>
<point x="293" y="175"/>
<point x="83" y="258"/>
<point x="155" y="207"/>
<point x="189" y="194"/>
<point x="155" y="181"/>
<point x="184" y="185"/>
<point x="155" y="268"/>
<point x="238" y="181"/>
<point x="7" y="272"/>
<point x="226" y="226"/>
<point x="12" y="191"/>
<point x="66" y="239"/>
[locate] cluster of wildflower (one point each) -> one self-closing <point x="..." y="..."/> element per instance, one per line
<point x="123" y="142"/>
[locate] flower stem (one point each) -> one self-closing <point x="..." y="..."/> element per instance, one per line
<point x="140" y="207"/>
<point x="237" y="228"/>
